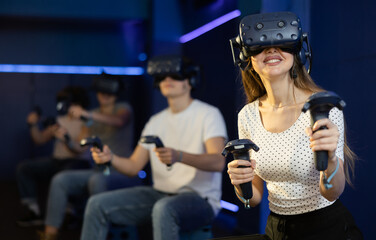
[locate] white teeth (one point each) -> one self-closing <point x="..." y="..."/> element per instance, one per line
<point x="273" y="61"/>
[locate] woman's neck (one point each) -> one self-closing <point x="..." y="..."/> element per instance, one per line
<point x="281" y="92"/>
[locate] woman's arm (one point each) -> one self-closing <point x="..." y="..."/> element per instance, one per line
<point x="327" y="140"/>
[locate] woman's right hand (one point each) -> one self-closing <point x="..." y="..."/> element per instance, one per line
<point x="101" y="157"/>
<point x="241" y="175"/>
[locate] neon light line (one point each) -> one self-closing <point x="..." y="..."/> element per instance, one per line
<point x="209" y="26"/>
<point x="229" y="206"/>
<point x="66" y="69"/>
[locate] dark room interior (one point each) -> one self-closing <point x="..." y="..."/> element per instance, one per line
<point x="47" y="45"/>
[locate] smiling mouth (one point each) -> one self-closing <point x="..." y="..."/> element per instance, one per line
<point x="273" y="60"/>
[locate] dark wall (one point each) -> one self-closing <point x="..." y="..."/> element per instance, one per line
<point x="344" y="60"/>
<point x="72" y="9"/>
<point x="53" y="41"/>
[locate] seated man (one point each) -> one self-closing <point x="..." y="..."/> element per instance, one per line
<point x="113" y="123"/>
<point x="184" y="196"/>
<point x="66" y="132"/>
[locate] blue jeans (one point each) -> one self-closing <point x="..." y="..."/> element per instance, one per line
<point x="42" y="169"/>
<point x="138" y="205"/>
<point x="81" y="184"/>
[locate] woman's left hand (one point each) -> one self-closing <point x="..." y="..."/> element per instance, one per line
<point x="324" y="139"/>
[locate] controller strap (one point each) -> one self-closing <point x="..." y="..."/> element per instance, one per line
<point x="247" y="205"/>
<point x="327" y="180"/>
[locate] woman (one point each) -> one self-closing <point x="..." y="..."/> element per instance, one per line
<point x="302" y="207"/>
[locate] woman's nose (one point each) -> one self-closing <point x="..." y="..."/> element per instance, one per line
<point x="271" y="50"/>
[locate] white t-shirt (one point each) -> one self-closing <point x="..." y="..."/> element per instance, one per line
<point x="186" y="131"/>
<point x="119" y="139"/>
<point x="285" y="161"/>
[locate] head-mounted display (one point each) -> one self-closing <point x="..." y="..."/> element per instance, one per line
<point x="259" y="31"/>
<point x="177" y="67"/>
<point x="107" y="83"/>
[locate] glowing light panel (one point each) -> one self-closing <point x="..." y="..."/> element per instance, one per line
<point x="229" y="206"/>
<point x="209" y="26"/>
<point x="66" y="69"/>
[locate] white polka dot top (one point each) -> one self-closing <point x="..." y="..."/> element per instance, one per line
<point x="285" y="161"/>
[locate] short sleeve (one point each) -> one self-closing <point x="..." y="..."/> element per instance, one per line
<point x="214" y="125"/>
<point x="145" y="132"/>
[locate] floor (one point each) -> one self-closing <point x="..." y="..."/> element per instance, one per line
<point x="224" y="225"/>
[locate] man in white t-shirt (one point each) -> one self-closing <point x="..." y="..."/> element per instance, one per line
<point x="184" y="196"/>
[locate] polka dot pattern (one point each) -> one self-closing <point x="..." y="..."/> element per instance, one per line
<point x="285" y="161"/>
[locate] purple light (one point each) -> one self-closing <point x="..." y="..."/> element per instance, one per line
<point x="209" y="26"/>
<point x="65" y="69"/>
<point x="229" y="206"/>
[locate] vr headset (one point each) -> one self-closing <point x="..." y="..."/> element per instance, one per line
<point x="280" y="29"/>
<point x="107" y="83"/>
<point x="179" y="68"/>
<point x="71" y="95"/>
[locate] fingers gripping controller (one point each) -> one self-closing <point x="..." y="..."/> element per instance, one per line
<point x="157" y="141"/>
<point x="96" y="142"/>
<point x="319" y="105"/>
<point x="240" y="148"/>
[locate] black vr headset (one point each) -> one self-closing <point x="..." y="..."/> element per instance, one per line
<point x="71" y="95"/>
<point x="280" y="29"/>
<point x="107" y="83"/>
<point x="177" y="67"/>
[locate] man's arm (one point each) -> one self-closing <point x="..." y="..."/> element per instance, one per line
<point x="212" y="160"/>
<point x="128" y="166"/>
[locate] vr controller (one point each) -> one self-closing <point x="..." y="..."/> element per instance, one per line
<point x="158" y="144"/>
<point x="240" y="148"/>
<point x="259" y="31"/>
<point x="49" y="121"/>
<point x="319" y="105"/>
<point x="179" y="68"/>
<point x="96" y="142"/>
<point x="62" y="108"/>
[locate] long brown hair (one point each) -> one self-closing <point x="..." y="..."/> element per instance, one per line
<point x="254" y="89"/>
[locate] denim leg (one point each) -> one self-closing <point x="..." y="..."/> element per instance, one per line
<point x="100" y="183"/>
<point x="129" y="206"/>
<point x="185" y="211"/>
<point x="118" y="180"/>
<point x="97" y="182"/>
<point x="28" y="172"/>
<point x="63" y="185"/>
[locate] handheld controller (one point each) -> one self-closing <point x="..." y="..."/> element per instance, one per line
<point x="319" y="105"/>
<point x="157" y="141"/>
<point x="96" y="142"/>
<point x="240" y="150"/>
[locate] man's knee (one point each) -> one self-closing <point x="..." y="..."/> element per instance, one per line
<point x="97" y="183"/>
<point x="162" y="208"/>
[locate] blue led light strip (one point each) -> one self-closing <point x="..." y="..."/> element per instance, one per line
<point x="65" y="69"/>
<point x="209" y="26"/>
<point x="229" y="206"/>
